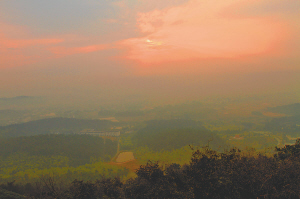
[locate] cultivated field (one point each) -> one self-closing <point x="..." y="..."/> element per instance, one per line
<point x="125" y="157"/>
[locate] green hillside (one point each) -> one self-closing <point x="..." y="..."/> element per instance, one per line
<point x="175" y="134"/>
<point x="291" y="109"/>
<point x="77" y="148"/>
<point x="285" y="125"/>
<point x="53" y="125"/>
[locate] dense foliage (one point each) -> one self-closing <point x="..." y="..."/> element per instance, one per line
<point x="31" y="171"/>
<point x="4" y="194"/>
<point x="78" y="148"/>
<point x="210" y="174"/>
<point x="27" y="158"/>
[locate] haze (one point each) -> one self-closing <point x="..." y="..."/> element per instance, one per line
<point x="149" y="99"/>
<point x="136" y="51"/>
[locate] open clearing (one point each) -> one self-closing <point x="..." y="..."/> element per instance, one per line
<point x="125" y="157"/>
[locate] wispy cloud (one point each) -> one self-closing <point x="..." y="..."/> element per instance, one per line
<point x="65" y="51"/>
<point x="202" y="30"/>
<point x="17" y="47"/>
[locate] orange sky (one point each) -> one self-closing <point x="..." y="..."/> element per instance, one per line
<point x="194" y="30"/>
<point x="204" y="29"/>
<point x="139" y="38"/>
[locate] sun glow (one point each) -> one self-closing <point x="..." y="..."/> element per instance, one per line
<point x="153" y="43"/>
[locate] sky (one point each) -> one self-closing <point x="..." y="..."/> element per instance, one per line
<point x="122" y="51"/>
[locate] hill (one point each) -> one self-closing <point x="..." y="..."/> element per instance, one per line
<point x="175" y="134"/>
<point x="77" y="148"/>
<point x="53" y="125"/>
<point x="291" y="109"/>
<point x="290" y="125"/>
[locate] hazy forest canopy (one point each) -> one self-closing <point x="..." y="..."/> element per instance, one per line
<point x="209" y="174"/>
<point x="70" y="156"/>
<point x="290" y="109"/>
<point x="287" y="125"/>
<point x="53" y="125"/>
<point x="175" y="134"/>
<point x="78" y="154"/>
<point x="54" y="148"/>
<point x="75" y="147"/>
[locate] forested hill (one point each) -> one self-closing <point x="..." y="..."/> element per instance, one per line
<point x="290" y="125"/>
<point x="77" y="148"/>
<point x="291" y="109"/>
<point x="174" y="134"/>
<point x="53" y="125"/>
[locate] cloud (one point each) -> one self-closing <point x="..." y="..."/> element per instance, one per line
<point x="65" y="51"/>
<point x="18" y="47"/>
<point x="203" y="29"/>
